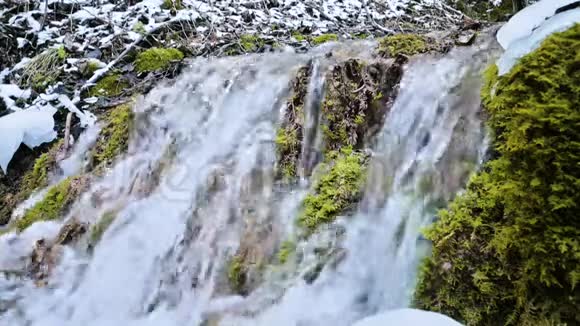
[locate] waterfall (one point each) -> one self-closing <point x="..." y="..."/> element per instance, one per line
<point x="199" y="177"/>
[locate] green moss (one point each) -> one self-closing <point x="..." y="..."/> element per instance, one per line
<point x="112" y="85"/>
<point x="92" y="66"/>
<point x="334" y="192"/>
<point x="348" y="104"/>
<point x="172" y="4"/>
<point x="287" y="143"/>
<point x="362" y="36"/>
<point x="406" y="44"/>
<point x="237" y="275"/>
<point x="507" y="251"/>
<point x="157" y="59"/>
<point x="54" y="203"/>
<point x="114" y="137"/>
<point x="298" y="36"/>
<point x="139" y="27"/>
<point x="38" y="177"/>
<point x="287" y="248"/>
<point x="317" y="40"/>
<point x="101" y="226"/>
<point x="289" y="135"/>
<point x="251" y="43"/>
<point x="61" y="53"/>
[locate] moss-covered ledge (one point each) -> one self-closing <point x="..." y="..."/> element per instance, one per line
<point x="290" y="134"/>
<point x="114" y="137"/>
<point x="336" y="191"/>
<point x="55" y="203"/>
<point x="155" y="59"/>
<point x="507" y="251"/>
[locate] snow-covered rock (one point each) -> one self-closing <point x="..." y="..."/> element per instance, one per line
<point x="407" y="317"/>
<point x="9" y="91"/>
<point x="522" y="24"/>
<point x="33" y="126"/>
<point x="532" y="29"/>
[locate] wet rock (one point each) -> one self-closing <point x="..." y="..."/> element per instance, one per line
<point x="95" y="54"/>
<point x="465" y="38"/>
<point x="71" y="231"/>
<point x="42" y="261"/>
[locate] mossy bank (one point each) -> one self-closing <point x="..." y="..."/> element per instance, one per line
<point x="507" y="251"/>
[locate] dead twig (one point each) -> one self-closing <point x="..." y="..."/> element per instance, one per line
<point x="67" y="132"/>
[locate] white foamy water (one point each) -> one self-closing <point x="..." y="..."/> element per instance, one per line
<point x="199" y="175"/>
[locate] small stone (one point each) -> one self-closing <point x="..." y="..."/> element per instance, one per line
<point x="446" y="266"/>
<point x="466" y="38"/>
<point x="95" y="54"/>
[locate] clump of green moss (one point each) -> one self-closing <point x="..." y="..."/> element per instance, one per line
<point x="406" y="44"/>
<point x="157" y="59"/>
<point x="111" y="85"/>
<point x="139" y="27"/>
<point x="287" y="144"/>
<point x="362" y="36"/>
<point x="507" y="251"/>
<point x="54" y="203"/>
<point x="349" y="104"/>
<point x="92" y="66"/>
<point x="237" y="275"/>
<point x="289" y="135"/>
<point x="298" y="36"/>
<point x="287" y="248"/>
<point x="336" y="191"/>
<point x="61" y="53"/>
<point x="101" y="226"/>
<point x="251" y="43"/>
<point x="114" y="137"/>
<point x="317" y="40"/>
<point x="38" y="177"/>
<point x="172" y="4"/>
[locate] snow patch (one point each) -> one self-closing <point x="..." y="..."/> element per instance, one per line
<point x="520" y="47"/>
<point x="8" y="91"/>
<point x="407" y="317"/>
<point x="32" y="127"/>
<point x="523" y="23"/>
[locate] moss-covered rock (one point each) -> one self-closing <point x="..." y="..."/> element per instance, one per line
<point x="38" y="177"/>
<point x="507" y="251"/>
<point x="55" y="203"/>
<point x="357" y="98"/>
<point x="287" y="249"/>
<point x="405" y="44"/>
<point x="299" y="36"/>
<point x="114" y="137"/>
<point x="172" y="4"/>
<point x="111" y="85"/>
<point x="155" y="59"/>
<point x="317" y="40"/>
<point x="237" y="275"/>
<point x="251" y="43"/>
<point x="336" y="191"/>
<point x="289" y="136"/>
<point x="101" y="226"/>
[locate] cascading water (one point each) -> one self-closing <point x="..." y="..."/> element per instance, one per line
<point x="199" y="177"/>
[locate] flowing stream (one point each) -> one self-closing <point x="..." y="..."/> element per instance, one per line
<point x="198" y="182"/>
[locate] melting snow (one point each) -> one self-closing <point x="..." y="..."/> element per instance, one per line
<point x="520" y="47"/>
<point x="32" y="127"/>
<point x="408" y="317"/>
<point x="523" y="23"/>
